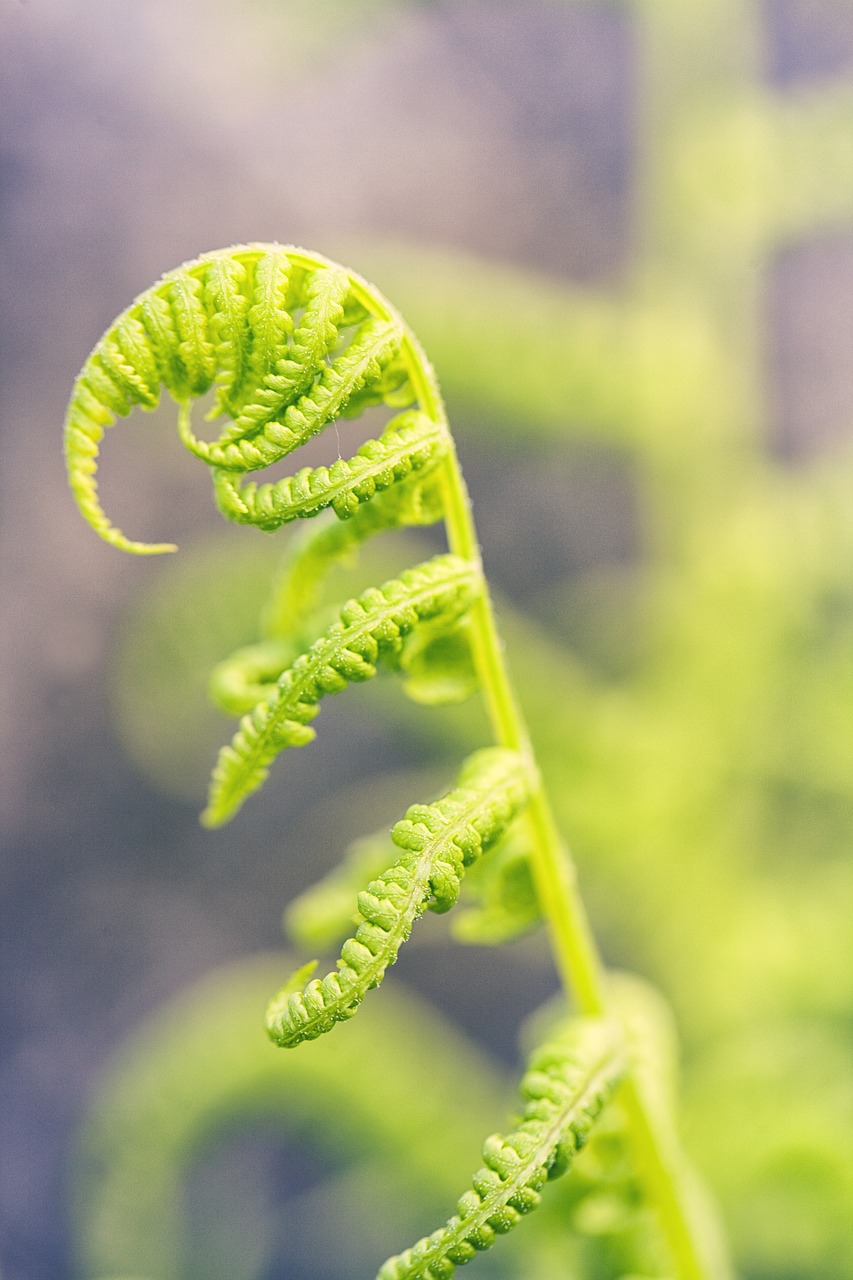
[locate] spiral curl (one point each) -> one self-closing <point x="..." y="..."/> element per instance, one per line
<point x="290" y="342"/>
<point x="371" y="629"/>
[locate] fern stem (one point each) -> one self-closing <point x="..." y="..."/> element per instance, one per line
<point x="575" y="953"/>
<point x="556" y="880"/>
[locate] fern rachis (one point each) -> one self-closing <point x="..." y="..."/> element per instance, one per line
<point x="292" y="342"/>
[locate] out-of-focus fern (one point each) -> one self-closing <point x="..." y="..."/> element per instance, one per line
<point x="169" y="1097"/>
<point x="290" y="342"/>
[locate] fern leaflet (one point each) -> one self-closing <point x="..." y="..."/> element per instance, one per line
<point x="411" y="443"/>
<point x="568" y="1081"/>
<point x="438" y="841"/>
<point x="371" y="628"/>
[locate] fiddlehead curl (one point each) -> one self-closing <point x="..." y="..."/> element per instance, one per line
<point x="291" y="342"/>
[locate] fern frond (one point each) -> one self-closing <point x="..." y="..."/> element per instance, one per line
<point x="227" y="318"/>
<point x="270" y="320"/>
<point x="370" y="628"/>
<point x="96" y="400"/>
<point x="566" y="1086"/>
<point x="375" y="342"/>
<point x="277" y="375"/>
<point x="305" y="358"/>
<point x="158" y="321"/>
<point x="197" y="353"/>
<point x="291" y="342"/>
<point x="392" y="387"/>
<point x="411" y="443"/>
<point x="438" y="842"/>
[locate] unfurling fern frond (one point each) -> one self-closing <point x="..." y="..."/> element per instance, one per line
<point x="568" y="1081"/>
<point x="438" y="841"/>
<point x="290" y="343"/>
<point x="228" y="319"/>
<point x="371" y="628"/>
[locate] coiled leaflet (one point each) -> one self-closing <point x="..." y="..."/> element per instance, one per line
<point x="290" y="342"/>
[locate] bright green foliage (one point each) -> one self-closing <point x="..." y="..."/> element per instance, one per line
<point x="371" y="629"/>
<point x="412" y="442"/>
<point x="438" y="842"/>
<point x="226" y="318"/>
<point x="298" y="587"/>
<point x="567" y="1083"/>
<point x="292" y="342"/>
<point x="708" y="790"/>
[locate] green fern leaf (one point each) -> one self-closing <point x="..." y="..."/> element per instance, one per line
<point x="566" y="1086"/>
<point x="375" y="343"/>
<point x="227" y="317"/>
<point x="438" y="841"/>
<point x="158" y="321"/>
<point x="392" y="387"/>
<point x="196" y="351"/>
<point x="304" y="361"/>
<point x="270" y="321"/>
<point x="371" y="628"/>
<point x="98" y="397"/>
<point x="128" y="362"/>
<point x="411" y="442"/>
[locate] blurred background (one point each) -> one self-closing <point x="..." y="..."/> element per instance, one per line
<point x="624" y="233"/>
